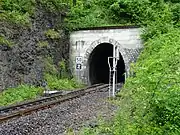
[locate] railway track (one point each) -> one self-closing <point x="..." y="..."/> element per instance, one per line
<point x="19" y="110"/>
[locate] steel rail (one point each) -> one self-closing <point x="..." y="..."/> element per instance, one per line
<point x="29" y="107"/>
<point x="12" y="107"/>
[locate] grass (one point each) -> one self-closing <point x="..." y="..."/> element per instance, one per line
<point x="18" y="94"/>
<point x="26" y="92"/>
<point x="54" y="83"/>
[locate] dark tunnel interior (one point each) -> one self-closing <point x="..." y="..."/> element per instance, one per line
<point x="99" y="68"/>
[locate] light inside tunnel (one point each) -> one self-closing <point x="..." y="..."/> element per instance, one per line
<point x="98" y="65"/>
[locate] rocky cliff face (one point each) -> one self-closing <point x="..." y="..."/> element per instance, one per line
<point x="24" y="60"/>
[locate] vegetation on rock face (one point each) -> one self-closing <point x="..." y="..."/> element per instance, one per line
<point x="52" y="34"/>
<point x="149" y="101"/>
<point x="56" y="80"/>
<point x="36" y="28"/>
<point x="21" y="11"/>
<point x="58" y="77"/>
<point x="17" y="11"/>
<point x="42" y="44"/>
<point x="55" y="5"/>
<point x="4" y="41"/>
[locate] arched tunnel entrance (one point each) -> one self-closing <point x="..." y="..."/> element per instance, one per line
<point x="98" y="65"/>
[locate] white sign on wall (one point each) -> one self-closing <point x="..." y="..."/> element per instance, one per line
<point x="78" y="66"/>
<point x="79" y="59"/>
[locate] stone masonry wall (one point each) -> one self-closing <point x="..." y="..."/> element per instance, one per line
<point x="83" y="43"/>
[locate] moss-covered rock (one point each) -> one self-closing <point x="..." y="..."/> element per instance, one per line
<point x="52" y="34"/>
<point x="24" y="62"/>
<point x="43" y="44"/>
<point x="5" y="42"/>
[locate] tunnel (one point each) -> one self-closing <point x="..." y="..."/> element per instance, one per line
<point x="99" y="68"/>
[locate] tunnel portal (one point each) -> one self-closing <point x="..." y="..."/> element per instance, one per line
<point x="98" y="65"/>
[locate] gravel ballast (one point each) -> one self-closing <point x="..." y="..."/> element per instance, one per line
<point x="71" y="114"/>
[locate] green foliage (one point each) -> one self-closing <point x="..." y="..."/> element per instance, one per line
<point x="42" y="44"/>
<point x="60" y="70"/>
<point x="16" y="17"/>
<point x="51" y="33"/>
<point x="4" y="41"/>
<point x="149" y="101"/>
<point x="54" y="5"/>
<point x="161" y="24"/>
<point x="87" y="14"/>
<point x="55" y="83"/>
<point x="125" y="11"/>
<point x="175" y="8"/>
<point x="17" y="11"/>
<point x="49" y="66"/>
<point x="173" y="1"/>
<point x="21" y="11"/>
<point x="18" y="94"/>
<point x="63" y="73"/>
<point x="94" y="13"/>
<point x="122" y="12"/>
<point x="57" y="76"/>
<point x="22" y="6"/>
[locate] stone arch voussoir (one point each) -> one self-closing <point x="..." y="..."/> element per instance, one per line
<point x="95" y="43"/>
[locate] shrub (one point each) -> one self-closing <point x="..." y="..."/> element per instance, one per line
<point x="54" y="5"/>
<point x="21" y="11"/>
<point x="42" y="44"/>
<point x="175" y="8"/>
<point x="18" y="94"/>
<point x="122" y="12"/>
<point x="17" y="11"/>
<point x="94" y="14"/>
<point x="149" y="102"/>
<point x="55" y="83"/>
<point x="51" y="33"/>
<point x="63" y="69"/>
<point x="49" y="66"/>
